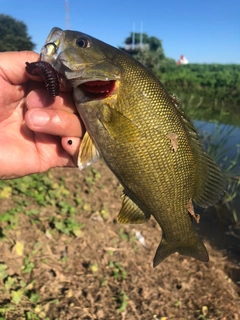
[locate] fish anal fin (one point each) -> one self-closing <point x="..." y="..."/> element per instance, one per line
<point x="88" y="153"/>
<point x="131" y="213"/>
<point x="166" y="248"/>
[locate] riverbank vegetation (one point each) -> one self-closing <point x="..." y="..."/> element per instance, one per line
<point x="208" y="92"/>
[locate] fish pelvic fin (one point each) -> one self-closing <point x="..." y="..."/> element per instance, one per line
<point x="166" y="248"/>
<point x="131" y="213"/>
<point x="88" y="153"/>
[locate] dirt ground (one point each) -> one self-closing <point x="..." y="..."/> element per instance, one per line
<point x="102" y="270"/>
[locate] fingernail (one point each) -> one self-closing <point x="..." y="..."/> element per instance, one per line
<point x="39" y="118"/>
<point x="39" y="99"/>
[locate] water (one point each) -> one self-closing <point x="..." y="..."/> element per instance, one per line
<point x="223" y="140"/>
<point x="222" y="143"/>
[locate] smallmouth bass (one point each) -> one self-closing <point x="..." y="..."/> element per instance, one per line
<point x="142" y="134"/>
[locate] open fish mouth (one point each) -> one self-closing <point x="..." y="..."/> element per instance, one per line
<point x="98" y="89"/>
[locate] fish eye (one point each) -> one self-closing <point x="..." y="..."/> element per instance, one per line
<point x="83" y="43"/>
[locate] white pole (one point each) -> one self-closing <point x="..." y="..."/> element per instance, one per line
<point x="67" y="22"/>
<point x="133" y="37"/>
<point x="141" y="35"/>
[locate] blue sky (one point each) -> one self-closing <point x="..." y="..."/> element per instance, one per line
<point x="205" y="31"/>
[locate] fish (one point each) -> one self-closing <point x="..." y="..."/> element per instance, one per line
<point x="140" y="131"/>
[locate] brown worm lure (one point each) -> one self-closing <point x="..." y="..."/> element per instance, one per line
<point x="50" y="76"/>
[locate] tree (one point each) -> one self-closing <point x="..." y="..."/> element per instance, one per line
<point x="150" y="54"/>
<point x="145" y="38"/>
<point x="153" y="44"/>
<point x="13" y="35"/>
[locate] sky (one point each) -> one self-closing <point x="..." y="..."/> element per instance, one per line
<point x="205" y="31"/>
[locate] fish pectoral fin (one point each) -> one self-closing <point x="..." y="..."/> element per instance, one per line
<point x="118" y="125"/>
<point x="131" y="213"/>
<point x="196" y="250"/>
<point x="88" y="153"/>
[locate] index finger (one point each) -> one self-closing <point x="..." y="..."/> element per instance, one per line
<point x="41" y="99"/>
<point x="12" y="65"/>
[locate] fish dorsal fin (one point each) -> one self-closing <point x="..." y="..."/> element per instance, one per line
<point x="131" y="213"/>
<point x="88" y="153"/>
<point x="175" y="100"/>
<point x="210" y="181"/>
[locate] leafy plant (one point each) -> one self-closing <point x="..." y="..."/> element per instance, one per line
<point x="67" y="225"/>
<point x="123" y="301"/>
<point x="118" y="272"/>
<point x="10" y="218"/>
<point x="28" y="265"/>
<point x="3" y="271"/>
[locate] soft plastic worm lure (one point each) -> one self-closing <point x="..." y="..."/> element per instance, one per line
<point x="50" y="76"/>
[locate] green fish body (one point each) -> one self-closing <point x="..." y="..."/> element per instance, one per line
<point x="144" y="137"/>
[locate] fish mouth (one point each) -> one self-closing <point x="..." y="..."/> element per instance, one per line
<point x="98" y="89"/>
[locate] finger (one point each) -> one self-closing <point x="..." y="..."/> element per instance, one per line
<point x="15" y="72"/>
<point x="54" y="122"/>
<point x="34" y="86"/>
<point x="41" y="99"/>
<point x="71" y="145"/>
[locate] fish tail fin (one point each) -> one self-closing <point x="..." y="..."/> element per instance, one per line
<point x="196" y="250"/>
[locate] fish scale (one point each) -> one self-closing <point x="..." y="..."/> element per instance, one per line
<point x="133" y="130"/>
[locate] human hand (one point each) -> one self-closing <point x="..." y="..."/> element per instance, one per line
<point x="27" y="145"/>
